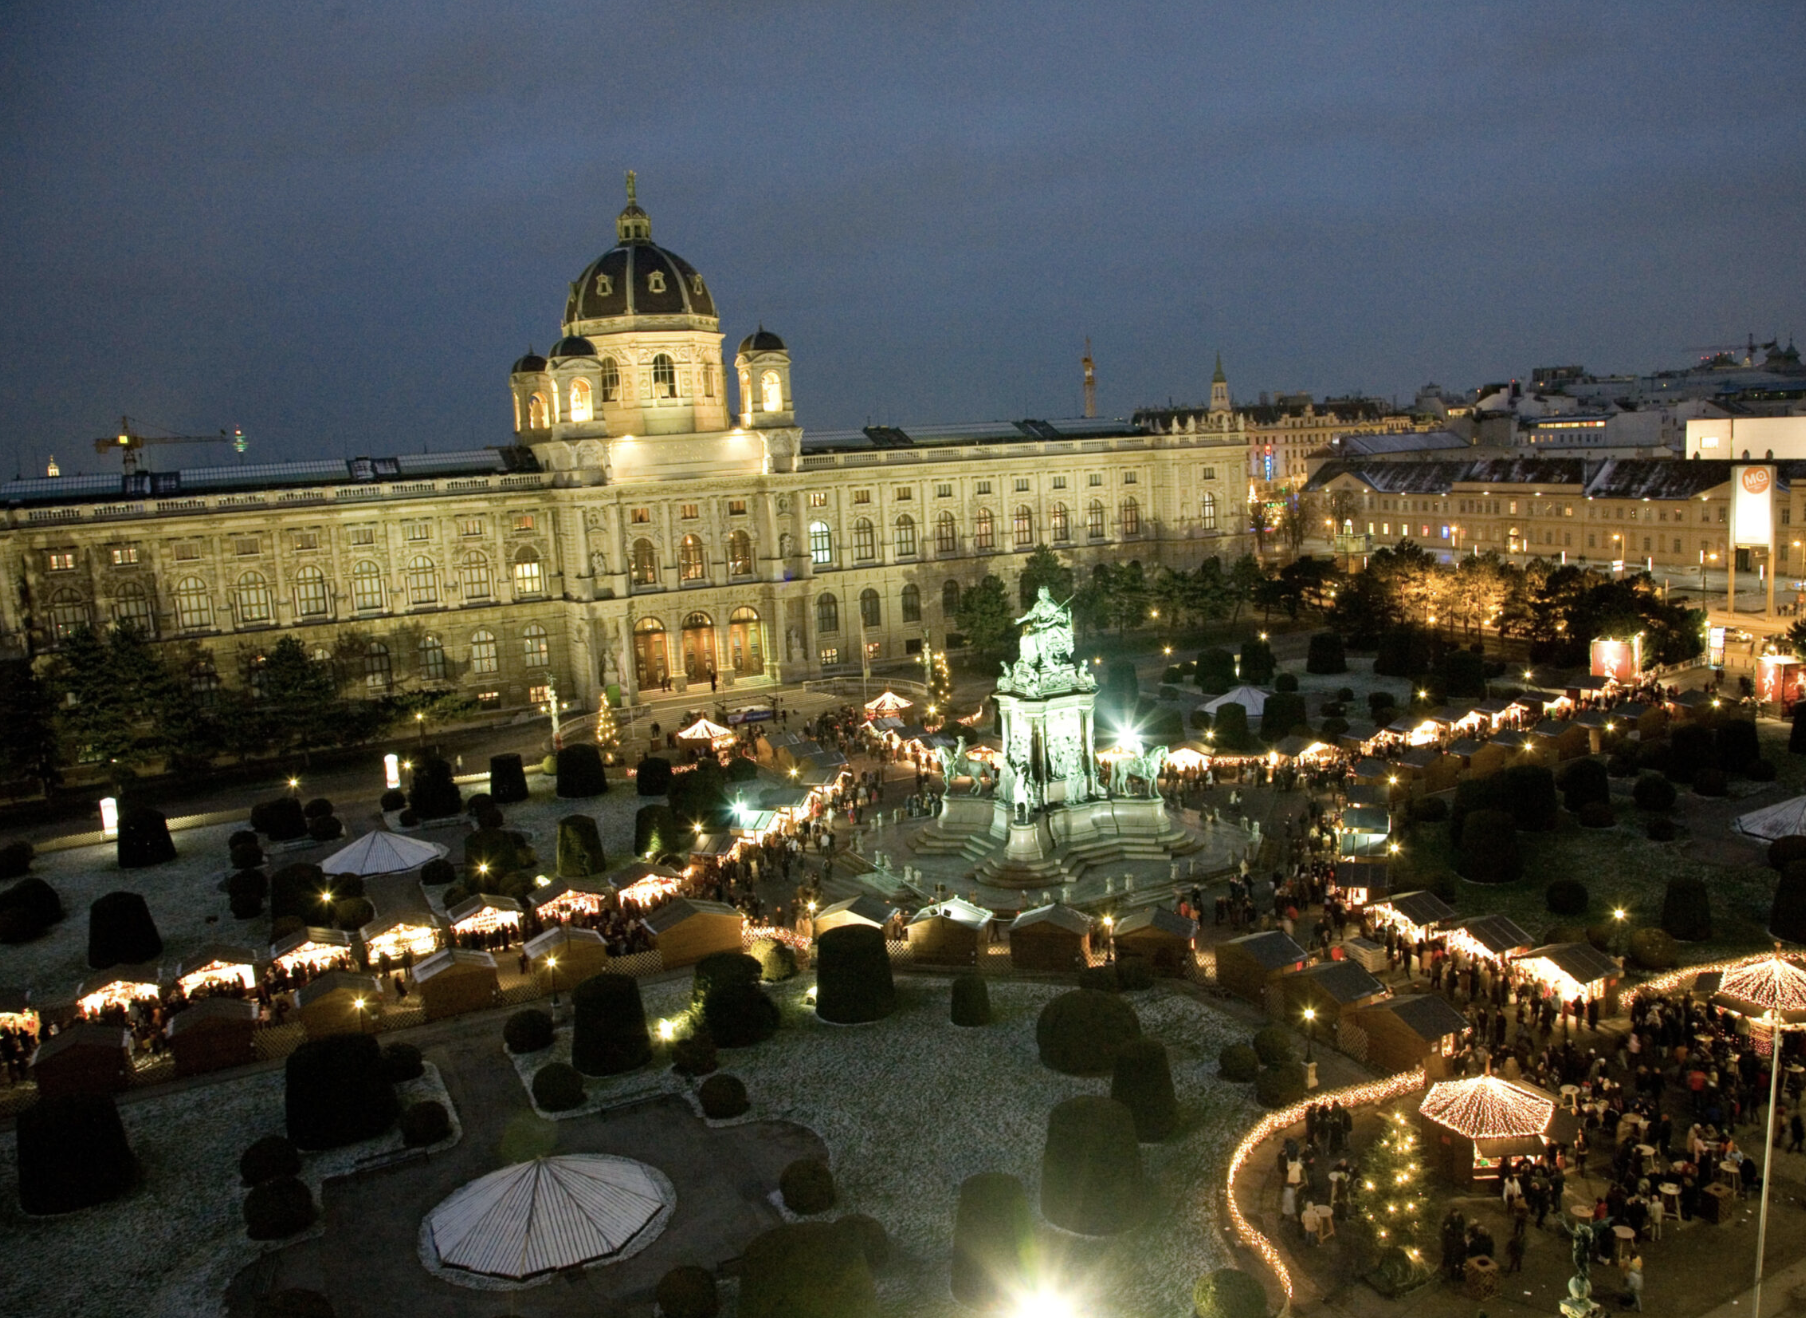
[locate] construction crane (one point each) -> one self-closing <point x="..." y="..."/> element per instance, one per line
<point x="128" y="441"/>
<point x="1090" y="381"/>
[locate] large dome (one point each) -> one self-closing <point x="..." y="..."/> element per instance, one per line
<point x="637" y="277"/>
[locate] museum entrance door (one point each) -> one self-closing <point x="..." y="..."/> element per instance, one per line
<point x="699" y="647"/>
<point x="650" y="661"/>
<point x="746" y="642"/>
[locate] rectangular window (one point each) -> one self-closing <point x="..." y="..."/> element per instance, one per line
<point x="1095" y="479"/>
<point x="489" y="700"/>
<point x="187" y="553"/>
<point x="523" y="521"/>
<point x="943" y="491"/>
<point x="62" y="560"/>
<point x="1787" y="517"/>
<point x="818" y="498"/>
<point x="1210" y="473"/>
<point x="903" y="492"/>
<point x="363" y="535"/>
<point x="538" y="695"/>
<point x="736" y="507"/>
<point x="1021" y="485"/>
<point x="1059" y="482"/>
<point x="913" y="645"/>
<point x="417" y="531"/>
<point x="471" y="526"/>
<point x="1592" y="540"/>
<point x="830" y="655"/>
<point x="640" y="516"/>
<point x="862" y="496"/>
<point x="984" y="487"/>
<point x="245" y="545"/>
<point x="1128" y="478"/>
<point x="124" y="555"/>
<point x="874" y="649"/>
<point x="688" y="511"/>
<point x="306" y="540"/>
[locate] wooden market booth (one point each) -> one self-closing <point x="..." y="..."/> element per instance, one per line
<point x="312" y="949"/>
<point x="1562" y="739"/>
<point x="1470" y="1126"/>
<point x="86" y="1057"/>
<point x="1478" y="759"/>
<point x="212" y="1034"/>
<point x="1573" y="970"/>
<point x="1164" y="937"/>
<point x="1417" y="915"/>
<point x="1051" y="938"/>
<point x="566" y="899"/>
<point x="686" y="929"/>
<point x="454" y="981"/>
<point x="1524" y="748"/>
<point x="119" y="986"/>
<point x="1363" y="881"/>
<point x="339" y="1002"/>
<point x="567" y="954"/>
<point x="1246" y="966"/>
<point x="217" y="966"/>
<point x="17" y="1014"/>
<point x="485" y="913"/>
<point x="863" y="909"/>
<point x="946" y="933"/>
<point x="1489" y="937"/>
<point x="1397" y="1034"/>
<point x="1329" y="988"/>
<point x="1430" y="769"/>
<point x="396" y="936"/>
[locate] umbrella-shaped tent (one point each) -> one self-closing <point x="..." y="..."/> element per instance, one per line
<point x="560" y="1212"/>
<point x="382" y="853"/>
<point x="888" y="703"/>
<point x="1785" y="819"/>
<point x="1250" y="698"/>
<point x="704" y="729"/>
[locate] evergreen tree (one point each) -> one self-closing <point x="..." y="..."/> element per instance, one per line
<point x="608" y="732"/>
<point x="986" y="619"/>
<point x="27" y="728"/>
<point x="1043" y="568"/>
<point x="940" y="685"/>
<point x="120" y="703"/>
<point x="1390" y="1199"/>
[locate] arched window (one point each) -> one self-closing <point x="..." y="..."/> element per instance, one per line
<point x="645" y="563"/>
<point x="906" y="536"/>
<point x="651" y="658"/>
<point x="432" y="659"/>
<point x="739" y="554"/>
<point x="423" y="581"/>
<point x="194" y="606"/>
<point x="912" y="603"/>
<point x="483" y="657"/>
<point x="827" y="613"/>
<point x="870" y="612"/>
<point x="821" y="544"/>
<point x="203" y="681"/>
<point x="1022" y="526"/>
<point x="664" y="376"/>
<point x="1094" y="520"/>
<point x="865" y="541"/>
<point x="611" y="381"/>
<point x="68" y="614"/>
<point x="378" y="672"/>
<point x="773" y="391"/>
<point x="366" y="586"/>
<point x="529" y="576"/>
<point x="1060" y="524"/>
<point x="692" y="563"/>
<point x="253" y="597"/>
<point x="536" y="412"/>
<point x="478" y="580"/>
<point x="946" y="535"/>
<point x="984" y="530"/>
<point x="1131" y="517"/>
<point x="1210" y="512"/>
<point x="581" y="409"/>
<point x="132" y="608"/>
<point x="949" y="600"/>
<point x="310" y="593"/>
<point x="536" y="649"/>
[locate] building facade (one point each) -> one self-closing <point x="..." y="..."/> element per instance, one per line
<point x="637" y="530"/>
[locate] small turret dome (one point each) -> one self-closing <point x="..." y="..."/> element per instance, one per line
<point x="529" y="364"/>
<point x="762" y="340"/>
<point x="573" y="346"/>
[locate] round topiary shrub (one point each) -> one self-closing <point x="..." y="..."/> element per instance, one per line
<point x="392" y="800"/>
<point x="121" y="931"/>
<point x="1285" y="682"/>
<point x="580" y="851"/>
<point x="719" y="969"/>
<point x="1600" y="936"/>
<point x="268" y="1158"/>
<point x="688" y="1292"/>
<point x="1566" y="897"/>
<point x="1429" y="810"/>
<point x="852" y="975"/>
<point x="248" y="856"/>
<point x="27" y="909"/>
<point x="1079" y="1032"/>
<point x="1143" y="1083"/>
<point x="353" y="913"/>
<point x="507" y="779"/>
<point x="295" y="893"/>
<point x="476" y="805"/>
<point x="293" y="1303"/>
<point x="694" y="1054"/>
<point x="1760" y="771"/>
<point x="807" y="1186"/>
<point x="1622" y="764"/>
<point x="1134" y="974"/>
<point x="777" y="960"/>
<point x="402" y="1062"/>
<point x="280" y="820"/>
<point x="608" y="1032"/>
<point x="1782" y="852"/>
<point x="143" y="838"/>
<point x="1585" y="782"/>
<point x="438" y="872"/>
<point x="325" y="829"/>
<point x="318" y="808"/>
<point x="557" y="1087"/>
<point x="993" y="1240"/>
<point x="1280" y="1086"/>
<point x="1653" y="792"/>
<point x="1100" y="979"/>
<point x="279" y="1208"/>
<point x="971" y="1001"/>
<point x="1787" y="916"/>
<point x="1273" y="1045"/>
<point x="1711" y="782"/>
<point x="1489" y="848"/>
<point x="1239" y="1063"/>
<point x="435" y="793"/>
<point x="1654" y="949"/>
<point x="337" y="1092"/>
<point x="739" y="1015"/>
<point x="408" y="819"/>
<point x="1229" y="1293"/>
<point x="1687" y="910"/>
<point x="723" y="1096"/>
<point x="1091" y="1179"/>
<point x="652" y="776"/>
<point x="527" y="1031"/>
<point x="1564" y="933"/>
<point x="874" y="1241"/>
<point x="580" y="771"/>
<point x="1659" y="829"/>
<point x="807" y="1270"/>
<point x="424" y="1123"/>
<point x="72" y="1153"/>
<point x="15" y="858"/>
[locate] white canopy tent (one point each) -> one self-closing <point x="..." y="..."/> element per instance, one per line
<point x="1250" y="698"/>
<point x="888" y="703"/>
<point x="559" y="1212"/>
<point x="704" y="729"/>
<point x="1785" y="819"/>
<point x="382" y="853"/>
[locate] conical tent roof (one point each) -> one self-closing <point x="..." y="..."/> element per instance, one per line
<point x="550" y="1213"/>
<point x="1250" y="698"/>
<point x="382" y="853"/>
<point x="705" y="730"/>
<point x="888" y="703"/>
<point x="1774" y="821"/>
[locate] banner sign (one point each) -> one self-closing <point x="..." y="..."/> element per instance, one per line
<point x="1778" y="682"/>
<point x="1619" y="660"/>
<point x="1715" y="647"/>
<point x="1752" y="497"/>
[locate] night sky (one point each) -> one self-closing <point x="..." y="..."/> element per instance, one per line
<point x="337" y="225"/>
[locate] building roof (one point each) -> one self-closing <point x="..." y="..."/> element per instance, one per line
<point x="637" y="279"/>
<point x="1581" y="962"/>
<point x="1270" y="948"/>
<point x="1421" y="907"/>
<point x="564" y="887"/>
<point x="1342" y="981"/>
<point x="679" y="909"/>
<point x="210" y="953"/>
<point x="1055" y="916"/>
<point x="957" y="909"/>
<point x="563" y="935"/>
<point x="1157" y="919"/>
<point x="1498" y="934"/>
<point x="1427" y="1015"/>
<point x="1362" y="874"/>
<point x="339" y="981"/>
<point x="83" y="1035"/>
<point x="1027" y="431"/>
<point x="1487" y="1107"/>
<point x="382" y="852"/>
<point x="148" y="974"/>
<point x="762" y="340"/>
<point x="1593" y="478"/>
<point x="312" y="934"/>
<point x="482" y="901"/>
<point x="208" y="1013"/>
<point x="863" y="908"/>
<point x="452" y="959"/>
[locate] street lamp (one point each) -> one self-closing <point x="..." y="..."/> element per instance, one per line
<point x="294" y="785"/>
<point x="420" y="724"/>
<point x="1310" y="1038"/>
<point x="552" y="965"/>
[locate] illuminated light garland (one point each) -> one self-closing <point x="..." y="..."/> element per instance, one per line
<point x="651" y="888"/>
<point x="1487" y="1108"/>
<point x="752" y="933"/>
<point x="1378" y="1091"/>
<point x="1772" y="983"/>
<point x="1684" y="977"/>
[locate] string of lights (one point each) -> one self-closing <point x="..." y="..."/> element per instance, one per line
<point x="1486" y="1107"/>
<point x="1673" y="980"/>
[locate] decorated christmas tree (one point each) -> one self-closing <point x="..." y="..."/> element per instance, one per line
<point x="940" y="684"/>
<point x="1390" y="1202"/>
<point x="607" y="734"/>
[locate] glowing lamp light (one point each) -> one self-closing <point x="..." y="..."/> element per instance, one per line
<point x="1618" y="913"/>
<point x="667" y="1031"/>
<point x="1042" y="1303"/>
<point x="358" y="1003"/>
<point x="293" y="783"/>
<point x="391" y="771"/>
<point x="109" y="816"/>
<point x="482" y="867"/>
<point x="542" y="881"/>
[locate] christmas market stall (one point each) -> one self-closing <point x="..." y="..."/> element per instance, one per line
<point x="1430" y="769"/>
<point x="1363" y="881"/>
<point x="947" y="933"/>
<point x="1375" y="794"/>
<point x="1246" y="966"/>
<point x="1052" y="938"/>
<point x="1490" y="937"/>
<point x="118" y="986"/>
<point x="1302" y="751"/>
<point x="1524" y="748"/>
<point x="339" y="1002"/>
<point x="17" y="1015"/>
<point x="396" y="936"/>
<point x="87" y="1057"/>
<point x="455" y="981"/>
<point x="567" y="954"/>
<point x="1329" y="988"/>
<point x="484" y="914"/>
<point x="1470" y="1126"/>
<point x="566" y="899"/>
<point x="1417" y="915"/>
<point x="1573" y="970"/>
<point x="1365" y="831"/>
<point x="890" y="703"/>
<point x="706" y="733"/>
<point x="217" y="966"/>
<point x="686" y="929"/>
<point x="1164" y="937"/>
<point x="863" y="909"/>
<point x="1561" y="739"/>
<point x="312" y="949"/>
<point x="1188" y="756"/>
<point x="645" y="883"/>
<point x="1476" y="759"/>
<point x="212" y="1034"/>
<point x="1396" y="1034"/>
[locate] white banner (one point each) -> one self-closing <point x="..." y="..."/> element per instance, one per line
<point x="1752" y="499"/>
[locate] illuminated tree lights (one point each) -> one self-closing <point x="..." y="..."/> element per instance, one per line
<point x="1487" y="1108"/>
<point x="607" y="734"/>
<point x="1389" y="1193"/>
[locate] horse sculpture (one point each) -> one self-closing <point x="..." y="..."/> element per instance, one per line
<point x="1146" y="767"/>
<point x="956" y="763"/>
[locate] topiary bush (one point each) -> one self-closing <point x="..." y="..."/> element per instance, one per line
<point x="1760" y="771"/>
<point x="579" y="848"/>
<point x="434" y="794"/>
<point x="392" y="800"/>
<point x="245" y="892"/>
<point x="1280" y="1086"/>
<point x="507" y="779"/>
<point x="353" y="913"/>
<point x="1429" y="810"/>
<point x="1711" y="782"/>
<point x="295" y="893"/>
<point x="1285" y="682"/>
<point x="1239" y="1063"/>
<point x="807" y="1270"/>
<point x="143" y="838"/>
<point x="1584" y="782"/>
<point x="1597" y="814"/>
<point x="971" y="1001"/>
<point x="1489" y="848"/>
<point x="1229" y="1293"/>
<point x="1736" y="744"/>
<point x="1079" y="1032"/>
<point x="1654" y="793"/>
<point x="1654" y="949"/>
<point x="1215" y="671"/>
<point x="608" y="1031"/>
<point x="1091" y="1179"/>
<point x="318" y="808"/>
<point x="993" y="1240"/>
<point x="1687" y="910"/>
<point x="424" y="1123"/>
<point x="121" y="931"/>
<point x="1257" y="662"/>
<point x="739" y="1015"/>
<point x="1782" y="852"/>
<point x="723" y="1096"/>
<point x="527" y="1031"/>
<point x="268" y="1158"/>
<point x="1101" y="979"/>
<point x="1273" y="1046"/>
<point x="438" y="872"/>
<point x="1134" y="973"/>
<point x="1231" y="727"/>
<point x="1283" y="711"/>
<point x="721" y="968"/>
<point x="694" y="1054"/>
<point x="492" y="852"/>
<point x="279" y="1208"/>
<point x="1326" y="654"/>
<point x="580" y="771"/>
<point x="1143" y="1083"/>
<point x="280" y="820"/>
<point x="874" y="1243"/>
<point x="1529" y="793"/>
<point x="15" y="858"/>
<point x="27" y="909"/>
<point x="655" y="831"/>
<point x="807" y="1186"/>
<point x="777" y="960"/>
<point x="72" y="1153"/>
<point x="1566" y="897"/>
<point x="652" y="776"/>
<point x="1659" y="829"/>
<point x="337" y="1092"/>
<point x="1787" y="915"/>
<point x="402" y="1062"/>
<point x="688" y="1291"/>
<point x="246" y="855"/>
<point x="326" y="828"/>
<point x="557" y="1087"/>
<point x="853" y="981"/>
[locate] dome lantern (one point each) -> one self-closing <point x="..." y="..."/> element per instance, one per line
<point x="633" y="225"/>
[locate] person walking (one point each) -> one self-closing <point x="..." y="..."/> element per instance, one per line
<point x="1633" y="1282"/>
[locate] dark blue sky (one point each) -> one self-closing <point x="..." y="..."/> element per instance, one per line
<point x="336" y="225"/>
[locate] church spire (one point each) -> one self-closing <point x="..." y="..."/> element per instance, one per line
<point x="633" y="225"/>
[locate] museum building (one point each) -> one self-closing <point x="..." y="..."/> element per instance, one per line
<point x="634" y="530"/>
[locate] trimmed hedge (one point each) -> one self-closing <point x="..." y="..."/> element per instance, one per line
<point x="1238" y="1062"/>
<point x="1566" y="897"/>
<point x="723" y="1096"/>
<point x="144" y="838"/>
<point x="652" y="776"/>
<point x="580" y="851"/>
<point x="402" y="1062"/>
<point x="1285" y="681"/>
<point x="1711" y="782"/>
<point x="1687" y="910"/>
<point x="1326" y="654"/>
<point x="807" y="1270"/>
<point x="27" y="909"/>
<point x="527" y="1031"/>
<point x="739" y="1015"/>
<point x="15" y="858"/>
<point x="280" y="820"/>
<point x="852" y="975"/>
<point x="1585" y="781"/>
<point x="245" y="892"/>
<point x="1091" y="1178"/>
<point x="580" y="772"/>
<point x="1761" y="771"/>
<point x="1231" y="726"/>
<point x="1530" y="796"/>
<point x="1229" y="1293"/>
<point x="807" y="1186"/>
<point x="1782" y="852"/>
<point x="72" y="1153"/>
<point x="688" y="1291"/>
<point x="268" y="1158"/>
<point x="507" y="779"/>
<point x="993" y="1240"/>
<point x="392" y="800"/>
<point x="435" y="793"/>
<point x="295" y="893"/>
<point x="1736" y="744"/>
<point x="326" y="828"/>
<point x="1257" y="662"/>
<point x="1100" y="979"/>
<point x="438" y="872"/>
<point x="718" y="969"/>
<point x="1429" y="810"/>
<point x="1273" y="1046"/>
<point x="1280" y="1086"/>
<point x="1489" y="848"/>
<point x="874" y="1242"/>
<point x="1597" y="814"/>
<point x="121" y="931"/>
<point x="557" y="1087"/>
<point x="694" y="1054"/>
<point x="1787" y="915"/>
<point x="1079" y="1032"/>
<point x="1654" y="793"/>
<point x="655" y="831"/>
<point x="1653" y="949"/>
<point x="501" y="849"/>
<point x="1134" y="973"/>
<point x="1143" y="1083"/>
<point x="1659" y="829"/>
<point x="279" y="1208"/>
<point x="337" y="1092"/>
<point x="1283" y="711"/>
<point x="971" y="1001"/>
<point x="777" y="960"/>
<point x="608" y="1034"/>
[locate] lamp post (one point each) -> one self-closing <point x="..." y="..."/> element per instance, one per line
<point x="1310" y="1037"/>
<point x="552" y="965"/>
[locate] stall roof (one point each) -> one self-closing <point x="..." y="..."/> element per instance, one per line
<point x="1466" y="747"/>
<point x="483" y="900"/>
<point x="1065" y="917"/>
<point x="382" y="853"/>
<point x="338" y="981"/>
<point x="712" y="844"/>
<point x="1420" y="907"/>
<point x="1420" y="757"/>
<point x="1372" y="768"/>
<point x="1427" y="1015"/>
<point x="863" y="907"/>
<point x="1379" y="794"/>
<point x="1156" y="917"/>
<point x="149" y="973"/>
<point x="1356" y="874"/>
<point x="588" y="887"/>
<point x="1581" y="962"/>
<point x="211" y="1011"/>
<point x="208" y="953"/>
<point x="679" y="909"/>
<point x="1271" y="949"/>
<point x="83" y="1034"/>
<point x="1486" y="1107"/>
<point x="312" y="934"/>
<point x="1344" y="981"/>
<point x="1784" y="819"/>
<point x="446" y="958"/>
<point x="957" y="909"/>
<point x="561" y="936"/>
<point x="1498" y="934"/>
<point x="1367" y="819"/>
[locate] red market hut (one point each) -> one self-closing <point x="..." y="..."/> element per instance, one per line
<point x="212" y="1034"/>
<point x="84" y="1058"/>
